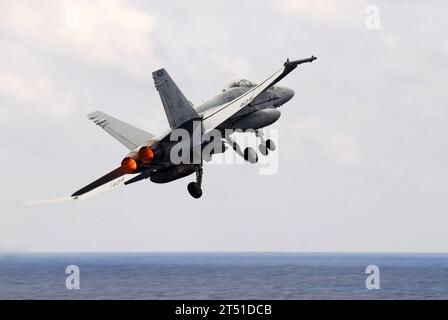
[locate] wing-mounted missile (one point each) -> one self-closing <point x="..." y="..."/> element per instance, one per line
<point x="291" y="65"/>
<point x="214" y="117"/>
<point x="295" y="63"/>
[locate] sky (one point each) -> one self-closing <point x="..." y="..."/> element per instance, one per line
<point x="362" y="147"/>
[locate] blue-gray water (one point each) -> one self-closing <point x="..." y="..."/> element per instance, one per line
<point x="223" y="276"/>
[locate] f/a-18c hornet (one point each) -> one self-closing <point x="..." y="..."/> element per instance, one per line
<point x="242" y="105"/>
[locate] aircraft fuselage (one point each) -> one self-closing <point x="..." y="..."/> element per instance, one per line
<point x="250" y="117"/>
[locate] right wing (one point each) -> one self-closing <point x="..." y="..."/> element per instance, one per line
<point x="219" y="114"/>
<point x="130" y="136"/>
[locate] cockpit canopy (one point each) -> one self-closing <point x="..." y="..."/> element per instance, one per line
<point x="240" y="83"/>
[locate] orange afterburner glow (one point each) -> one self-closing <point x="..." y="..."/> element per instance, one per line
<point x="128" y="165"/>
<point x="145" y="155"/>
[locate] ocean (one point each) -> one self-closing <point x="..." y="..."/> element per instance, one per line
<point x="223" y="276"/>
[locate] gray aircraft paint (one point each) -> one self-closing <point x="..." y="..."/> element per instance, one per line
<point x="272" y="98"/>
<point x="241" y="105"/>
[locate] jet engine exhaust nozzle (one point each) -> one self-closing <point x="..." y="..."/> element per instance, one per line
<point x="145" y="155"/>
<point x="129" y="165"/>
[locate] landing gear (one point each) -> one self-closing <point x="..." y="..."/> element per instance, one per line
<point x="265" y="145"/>
<point x="194" y="188"/>
<point x="250" y="155"/>
<point x="270" y="145"/>
<point x="263" y="149"/>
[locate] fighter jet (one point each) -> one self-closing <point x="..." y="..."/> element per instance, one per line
<point x="241" y="105"/>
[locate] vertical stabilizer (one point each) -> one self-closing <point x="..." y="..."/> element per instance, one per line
<point x="177" y="108"/>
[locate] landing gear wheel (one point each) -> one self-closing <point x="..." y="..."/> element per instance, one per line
<point x="195" y="190"/>
<point x="270" y="144"/>
<point x="250" y="155"/>
<point x="263" y="149"/>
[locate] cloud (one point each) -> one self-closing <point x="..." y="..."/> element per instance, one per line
<point x="375" y="101"/>
<point x="320" y="9"/>
<point x="106" y="33"/>
<point x="236" y="66"/>
<point x="41" y="51"/>
<point x="332" y="146"/>
<point x="40" y="92"/>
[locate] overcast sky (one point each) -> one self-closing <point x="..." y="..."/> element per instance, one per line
<point x="363" y="146"/>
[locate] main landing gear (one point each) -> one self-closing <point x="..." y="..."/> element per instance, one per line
<point x="194" y="188"/>
<point x="265" y="145"/>
<point x="249" y="154"/>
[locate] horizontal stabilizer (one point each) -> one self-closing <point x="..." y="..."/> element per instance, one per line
<point x="108" y="181"/>
<point x="128" y="135"/>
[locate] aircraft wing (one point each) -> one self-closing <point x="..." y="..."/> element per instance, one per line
<point x="130" y="136"/>
<point x="219" y="114"/>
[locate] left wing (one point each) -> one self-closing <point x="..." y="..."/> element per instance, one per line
<point x="219" y="114"/>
